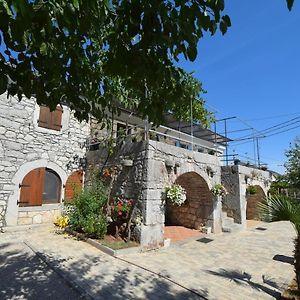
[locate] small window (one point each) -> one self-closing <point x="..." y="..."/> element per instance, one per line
<point x="50" y="119"/>
<point x="121" y="130"/>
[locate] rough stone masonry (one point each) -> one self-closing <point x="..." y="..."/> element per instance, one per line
<point x="25" y="146"/>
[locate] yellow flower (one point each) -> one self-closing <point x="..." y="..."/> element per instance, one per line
<point x="62" y="221"/>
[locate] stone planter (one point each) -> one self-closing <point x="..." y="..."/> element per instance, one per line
<point x="127" y="162"/>
<point x="169" y="163"/>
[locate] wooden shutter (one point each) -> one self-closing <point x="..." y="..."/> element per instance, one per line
<point x="32" y="188"/>
<point x="50" y="119"/>
<point x="45" y="117"/>
<point x="73" y="185"/>
<point x="56" y="117"/>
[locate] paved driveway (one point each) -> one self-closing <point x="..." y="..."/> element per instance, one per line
<point x="24" y="276"/>
<point x="253" y="264"/>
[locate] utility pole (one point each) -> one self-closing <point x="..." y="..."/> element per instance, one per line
<point x="254" y="148"/>
<point x="225" y="132"/>
<point x="257" y="150"/>
<point x="192" y="124"/>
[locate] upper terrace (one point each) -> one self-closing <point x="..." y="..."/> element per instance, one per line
<point x="183" y="134"/>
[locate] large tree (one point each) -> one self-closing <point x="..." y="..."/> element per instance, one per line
<point x="96" y="54"/>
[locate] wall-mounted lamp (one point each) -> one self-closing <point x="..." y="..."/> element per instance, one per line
<point x="210" y="172"/>
<point x="169" y="163"/>
<point x="247" y="179"/>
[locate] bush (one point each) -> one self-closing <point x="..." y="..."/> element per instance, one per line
<point x="88" y="214"/>
<point x="251" y="190"/>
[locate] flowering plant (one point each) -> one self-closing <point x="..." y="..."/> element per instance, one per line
<point x="176" y="194"/>
<point x="219" y="190"/>
<point x="109" y="172"/>
<point x="121" y="208"/>
<point x="62" y="221"/>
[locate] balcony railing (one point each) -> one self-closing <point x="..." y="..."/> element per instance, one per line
<point x="161" y="134"/>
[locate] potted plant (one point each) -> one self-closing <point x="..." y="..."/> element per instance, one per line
<point x="176" y="194"/>
<point x="219" y="190"/>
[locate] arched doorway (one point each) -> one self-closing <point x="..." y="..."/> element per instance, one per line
<point x="198" y="206"/>
<point x="40" y="186"/>
<point x="252" y="202"/>
<point x="73" y="185"/>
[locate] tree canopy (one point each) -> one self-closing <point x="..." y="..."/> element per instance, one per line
<point x="95" y="55"/>
<point x="293" y="164"/>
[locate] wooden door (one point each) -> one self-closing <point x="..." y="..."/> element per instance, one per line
<point x="73" y="185"/>
<point x="32" y="188"/>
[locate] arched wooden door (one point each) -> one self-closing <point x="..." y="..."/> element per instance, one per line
<point x="40" y="186"/>
<point x="73" y="185"/>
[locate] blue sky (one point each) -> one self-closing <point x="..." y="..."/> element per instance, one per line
<point x="253" y="73"/>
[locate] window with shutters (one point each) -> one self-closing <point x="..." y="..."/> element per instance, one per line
<point x="40" y="186"/>
<point x="50" y="119"/>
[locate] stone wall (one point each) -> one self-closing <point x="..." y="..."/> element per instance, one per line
<point x="231" y="202"/>
<point x="165" y="165"/>
<point x="236" y="179"/>
<point x="25" y="146"/>
<point x="155" y="165"/>
<point x="34" y="217"/>
<point x="129" y="181"/>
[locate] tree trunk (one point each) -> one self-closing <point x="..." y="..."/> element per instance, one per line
<point x="297" y="260"/>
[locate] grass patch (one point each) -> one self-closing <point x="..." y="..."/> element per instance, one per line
<point x="117" y="244"/>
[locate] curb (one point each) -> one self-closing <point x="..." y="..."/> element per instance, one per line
<point x="105" y="249"/>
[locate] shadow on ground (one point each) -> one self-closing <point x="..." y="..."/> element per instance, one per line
<point x="25" y="276"/>
<point x="243" y="278"/>
<point x="284" y="259"/>
<point x="123" y="282"/>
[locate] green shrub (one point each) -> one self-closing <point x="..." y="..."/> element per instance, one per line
<point x="251" y="190"/>
<point x="88" y="214"/>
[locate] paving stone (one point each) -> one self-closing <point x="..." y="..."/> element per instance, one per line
<point x="234" y="266"/>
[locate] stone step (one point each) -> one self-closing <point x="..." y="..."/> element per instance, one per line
<point x="232" y="228"/>
<point x="224" y="214"/>
<point x="227" y="221"/>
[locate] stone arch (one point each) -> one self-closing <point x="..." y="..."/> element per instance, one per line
<point x="197" y="209"/>
<point x="252" y="202"/>
<point x="11" y="216"/>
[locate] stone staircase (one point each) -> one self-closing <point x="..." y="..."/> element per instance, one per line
<point x="228" y="224"/>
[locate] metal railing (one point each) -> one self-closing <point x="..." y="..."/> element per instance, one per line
<point x="162" y="134"/>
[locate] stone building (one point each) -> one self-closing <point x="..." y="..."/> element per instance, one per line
<point x="146" y="166"/>
<point x="41" y="154"/>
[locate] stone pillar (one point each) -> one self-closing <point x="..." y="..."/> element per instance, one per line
<point x="152" y="231"/>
